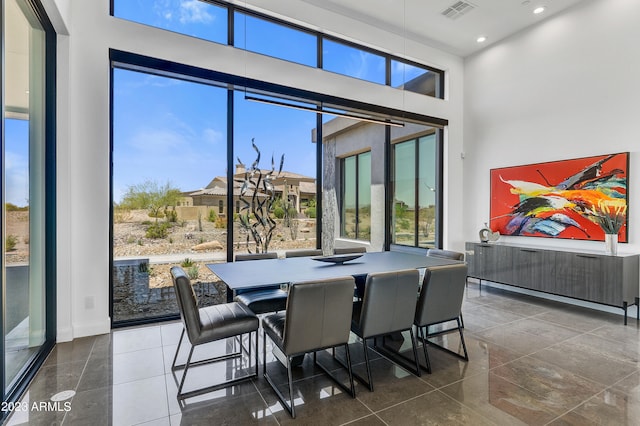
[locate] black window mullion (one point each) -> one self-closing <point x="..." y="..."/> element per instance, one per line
<point x="357" y="181"/>
<point x="416" y="213"/>
<point x="231" y="22"/>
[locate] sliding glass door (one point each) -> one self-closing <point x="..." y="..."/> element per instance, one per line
<point x="28" y="191"/>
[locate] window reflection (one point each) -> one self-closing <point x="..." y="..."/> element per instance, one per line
<point x="353" y="62"/>
<point x="190" y="17"/>
<point x="268" y="38"/>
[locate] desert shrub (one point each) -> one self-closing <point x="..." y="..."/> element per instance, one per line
<point x="121" y="215"/>
<point x="213" y="217"/>
<point x="146" y="222"/>
<point x="193" y="272"/>
<point x="10" y="242"/>
<point x="187" y="263"/>
<point x="10" y="207"/>
<point x="278" y="212"/>
<point x="172" y="216"/>
<point x="157" y="230"/>
<point x="311" y="212"/>
<point x="157" y="215"/>
<point x="221" y="223"/>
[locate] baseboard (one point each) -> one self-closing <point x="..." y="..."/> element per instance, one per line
<point x="92" y="329"/>
<point x="64" y="335"/>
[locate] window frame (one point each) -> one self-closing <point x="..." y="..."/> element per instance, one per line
<point x="439" y="136"/>
<point x="343" y="180"/>
<point x="320" y="37"/>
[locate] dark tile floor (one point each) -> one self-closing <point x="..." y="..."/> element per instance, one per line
<point x="532" y="361"/>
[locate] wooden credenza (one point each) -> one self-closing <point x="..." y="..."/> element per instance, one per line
<point x="584" y="275"/>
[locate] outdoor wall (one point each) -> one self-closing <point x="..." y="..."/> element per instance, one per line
<point x="566" y="88"/>
<point x="83" y="133"/>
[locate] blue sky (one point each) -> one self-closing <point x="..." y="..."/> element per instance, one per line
<point x="171" y="130"/>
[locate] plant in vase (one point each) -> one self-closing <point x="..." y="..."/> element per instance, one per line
<point x="611" y="214"/>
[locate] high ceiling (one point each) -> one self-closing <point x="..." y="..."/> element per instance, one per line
<point x="423" y="20"/>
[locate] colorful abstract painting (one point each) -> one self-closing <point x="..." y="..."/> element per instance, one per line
<point x="576" y="199"/>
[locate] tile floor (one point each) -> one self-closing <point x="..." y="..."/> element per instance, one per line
<point x="532" y="361"/>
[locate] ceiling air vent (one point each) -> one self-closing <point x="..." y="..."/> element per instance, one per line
<point x="458" y="9"/>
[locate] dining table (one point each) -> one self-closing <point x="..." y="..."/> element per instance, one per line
<point x="253" y="274"/>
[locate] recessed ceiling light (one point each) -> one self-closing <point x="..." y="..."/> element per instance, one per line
<point x="538" y="10"/>
<point x="481" y="39"/>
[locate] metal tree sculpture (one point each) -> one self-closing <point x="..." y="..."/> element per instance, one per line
<point x="257" y="196"/>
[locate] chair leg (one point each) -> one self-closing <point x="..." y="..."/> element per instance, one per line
<point x="184" y="373"/>
<point x="464" y="346"/>
<point x="290" y="378"/>
<point x="415" y="352"/>
<point x="461" y="320"/>
<point x="175" y="357"/>
<point x="369" y="382"/>
<point x="351" y="384"/>
<point x="289" y="407"/>
<point x="422" y="337"/>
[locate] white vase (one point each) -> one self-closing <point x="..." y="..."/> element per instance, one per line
<point x="611" y="244"/>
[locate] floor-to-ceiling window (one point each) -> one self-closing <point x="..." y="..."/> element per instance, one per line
<point x="355" y="211"/>
<point x="168" y="190"/>
<point x="416" y="190"/>
<point x="277" y="141"/>
<point x="28" y="191"/>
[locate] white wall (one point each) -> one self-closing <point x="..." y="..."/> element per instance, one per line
<point x="566" y="88"/>
<point x="83" y="143"/>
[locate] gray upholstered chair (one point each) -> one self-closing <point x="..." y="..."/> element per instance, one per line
<point x="266" y="299"/>
<point x="447" y="254"/>
<point x="303" y="253"/>
<point x="388" y="306"/>
<point x="317" y="317"/>
<point x="255" y="256"/>
<point x="209" y="324"/>
<point x="360" y="280"/>
<point x="349" y="250"/>
<point x="440" y="301"/>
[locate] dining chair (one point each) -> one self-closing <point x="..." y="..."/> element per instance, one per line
<point x="388" y="306"/>
<point x="302" y="253"/>
<point x="210" y="324"/>
<point x="349" y="250"/>
<point x="317" y="318"/>
<point x="266" y="299"/>
<point x="447" y="254"/>
<point x="440" y="301"/>
<point x="360" y="280"/>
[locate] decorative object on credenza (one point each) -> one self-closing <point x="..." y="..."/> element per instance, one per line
<point x="611" y="215"/>
<point x="486" y="234"/>
<point x="561" y="199"/>
<point x="257" y="195"/>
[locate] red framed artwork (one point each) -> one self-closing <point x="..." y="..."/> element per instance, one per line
<point x="580" y="199"/>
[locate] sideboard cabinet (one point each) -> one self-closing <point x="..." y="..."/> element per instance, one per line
<point x="584" y="275"/>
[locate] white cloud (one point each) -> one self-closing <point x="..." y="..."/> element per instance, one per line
<point x="212" y="136"/>
<point x="194" y="11"/>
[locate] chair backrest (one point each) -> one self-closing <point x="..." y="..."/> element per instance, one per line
<point x="255" y="256"/>
<point x="441" y="295"/>
<point x="187" y="303"/>
<point x="303" y="253"/>
<point x="445" y="254"/>
<point x="318" y="315"/>
<point x="389" y="302"/>
<point x="348" y="250"/>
